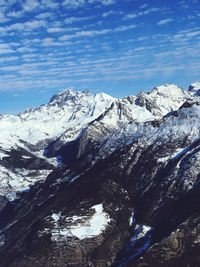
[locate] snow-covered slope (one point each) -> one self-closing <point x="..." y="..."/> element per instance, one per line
<point x="184" y="122"/>
<point x="141" y="108"/>
<point x="28" y="133"/>
<point x="65" y="110"/>
<point x="163" y="99"/>
<point x="78" y="119"/>
<point x="195" y="88"/>
<point x="136" y="177"/>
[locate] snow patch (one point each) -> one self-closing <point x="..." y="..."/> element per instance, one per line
<point x="133" y="248"/>
<point x="2" y="240"/>
<point x="141" y="231"/>
<point x="80" y="227"/>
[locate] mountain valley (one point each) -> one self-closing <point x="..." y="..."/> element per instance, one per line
<point x="91" y="180"/>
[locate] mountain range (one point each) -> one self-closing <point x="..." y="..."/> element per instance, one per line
<point x="91" y="180"/>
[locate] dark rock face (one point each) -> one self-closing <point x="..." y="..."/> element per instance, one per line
<point x="127" y="195"/>
<point x="15" y="159"/>
<point x="139" y="180"/>
<point x="35" y="227"/>
<point x="3" y="202"/>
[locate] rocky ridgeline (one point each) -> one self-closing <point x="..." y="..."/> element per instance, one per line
<point x="125" y="191"/>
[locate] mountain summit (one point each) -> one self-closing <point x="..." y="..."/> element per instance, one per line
<point x="98" y="181"/>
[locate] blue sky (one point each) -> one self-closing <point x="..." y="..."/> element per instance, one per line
<point x="119" y="47"/>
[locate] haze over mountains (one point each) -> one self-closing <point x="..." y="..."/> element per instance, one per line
<point x="93" y="180"/>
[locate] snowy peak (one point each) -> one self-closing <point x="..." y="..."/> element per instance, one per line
<point x="65" y="110"/>
<point x="77" y="97"/>
<point x="194" y="88"/>
<point x="163" y="99"/>
<point x="169" y="91"/>
<point x="68" y="95"/>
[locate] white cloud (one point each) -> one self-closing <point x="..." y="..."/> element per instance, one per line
<point x="91" y="33"/>
<point x="107" y="2"/>
<point x="141" y="13"/>
<point x="150" y="10"/>
<point x="106" y="14"/>
<point x="144" y="6"/>
<point x="26" y="26"/>
<point x="124" y="28"/>
<point x="131" y="16"/>
<point x="164" y="21"/>
<point x="192" y="34"/>
<point x="30" y="5"/>
<point x="50" y="42"/>
<point x="142" y="38"/>
<point x="80" y="3"/>
<point x="44" y="15"/>
<point x="73" y="3"/>
<point x="55" y="29"/>
<point x="6" y="51"/>
<point x="61" y="29"/>
<point x="71" y="20"/>
<point x="16" y="14"/>
<point x="2" y="17"/>
<point x="103" y="2"/>
<point x="3" y="45"/>
<point x="25" y="49"/>
<point x="8" y="59"/>
<point x="49" y="4"/>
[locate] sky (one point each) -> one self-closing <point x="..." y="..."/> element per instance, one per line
<point x="120" y="47"/>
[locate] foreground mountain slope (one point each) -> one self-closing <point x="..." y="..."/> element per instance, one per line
<point x="140" y="184"/>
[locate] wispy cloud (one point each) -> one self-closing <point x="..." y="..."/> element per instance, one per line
<point x="55" y="29"/>
<point x="141" y="13"/>
<point x="49" y="4"/>
<point x="164" y="21"/>
<point x="91" y="33"/>
<point x="106" y="14"/>
<point x="192" y="34"/>
<point x="24" y="27"/>
<point x="78" y="3"/>
<point x="103" y="2"/>
<point x="73" y="3"/>
<point x="144" y="6"/>
<point x="48" y="43"/>
<point x="44" y="15"/>
<point x="124" y="28"/>
<point x="30" y="5"/>
<point x="71" y="20"/>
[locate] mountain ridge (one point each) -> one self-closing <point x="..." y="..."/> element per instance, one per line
<point x="134" y="170"/>
<point x="78" y="120"/>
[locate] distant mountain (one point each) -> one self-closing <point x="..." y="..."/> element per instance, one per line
<point x="124" y="192"/>
<point x="25" y="136"/>
<point x="195" y="88"/>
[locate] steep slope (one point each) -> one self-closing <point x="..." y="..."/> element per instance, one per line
<point x="64" y="111"/>
<point x="143" y="107"/>
<point x="67" y="128"/>
<point x="25" y="136"/>
<point x="140" y="183"/>
<point x="195" y="88"/>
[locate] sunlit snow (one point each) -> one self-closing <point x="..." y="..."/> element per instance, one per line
<point x="88" y="228"/>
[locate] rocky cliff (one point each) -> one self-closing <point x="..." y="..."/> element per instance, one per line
<point x="125" y="194"/>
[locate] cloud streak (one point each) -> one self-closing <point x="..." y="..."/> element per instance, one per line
<point x="49" y="43"/>
<point x="164" y="21"/>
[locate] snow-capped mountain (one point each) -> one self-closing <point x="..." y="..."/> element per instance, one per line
<point x="126" y="192"/>
<point x="26" y="135"/>
<point x="195" y="88"/>
<point x="64" y="111"/>
<point x="76" y="119"/>
<point x="140" y="108"/>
